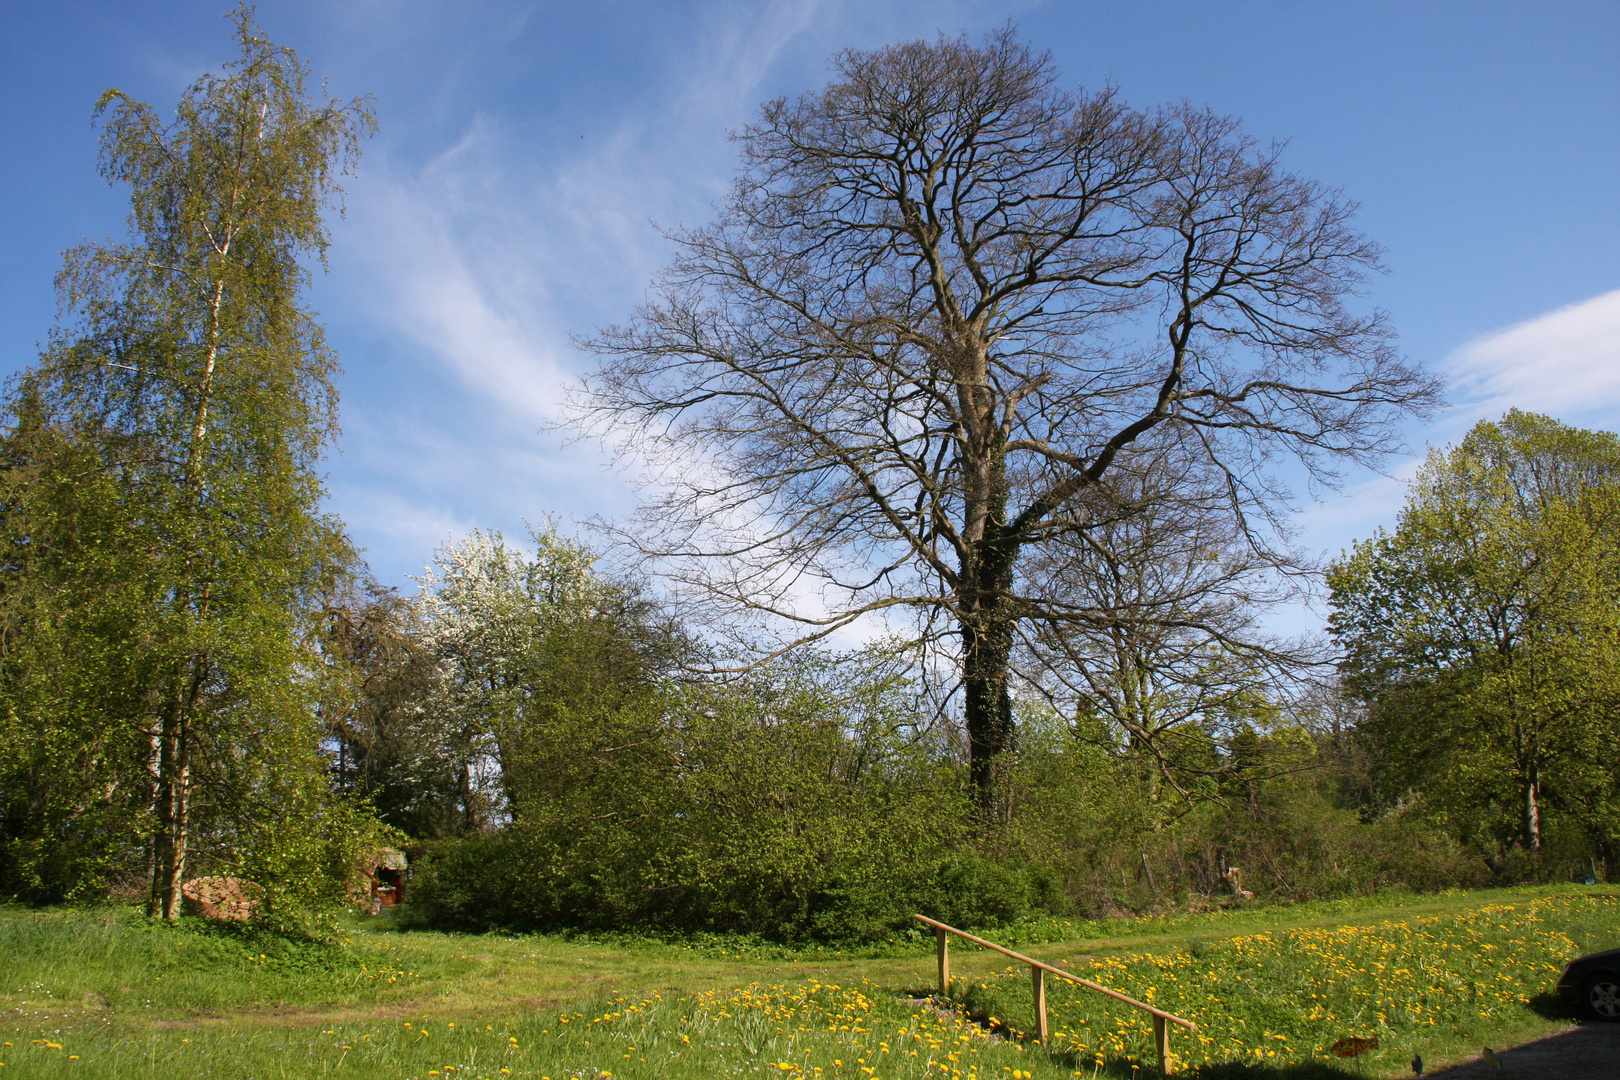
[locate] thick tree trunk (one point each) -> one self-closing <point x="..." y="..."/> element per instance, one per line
<point x="987" y="703"/>
<point x="983" y="590"/>
<point x="987" y="625"/>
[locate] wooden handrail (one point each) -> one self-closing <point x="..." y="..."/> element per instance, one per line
<point x="1034" y="963"/>
<point x="1037" y="971"/>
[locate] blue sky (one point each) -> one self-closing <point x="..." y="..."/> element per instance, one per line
<point x="526" y="148"/>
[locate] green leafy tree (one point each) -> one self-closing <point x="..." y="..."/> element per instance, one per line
<point x="537" y="652"/>
<point x="387" y="748"/>
<point x="76" y="612"/>
<point x="807" y="798"/>
<point x="194" y="390"/>
<point x="1484" y="633"/>
<point x="1168" y="655"/>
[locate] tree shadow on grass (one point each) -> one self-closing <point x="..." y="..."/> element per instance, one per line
<point x="1086" y="1066"/>
<point x="1306" y="1070"/>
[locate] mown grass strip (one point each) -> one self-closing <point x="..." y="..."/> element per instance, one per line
<point x="103" y="994"/>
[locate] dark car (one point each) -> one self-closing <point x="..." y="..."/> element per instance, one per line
<point x="1592" y="985"/>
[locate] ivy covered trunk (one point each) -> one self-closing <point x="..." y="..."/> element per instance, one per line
<point x="986" y="615"/>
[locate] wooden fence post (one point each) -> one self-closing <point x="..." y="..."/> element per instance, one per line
<point x="1037" y="979"/>
<point x="1037" y="976"/>
<point x="1161" y="1042"/>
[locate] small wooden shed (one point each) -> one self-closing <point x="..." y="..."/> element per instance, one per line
<point x="386" y="870"/>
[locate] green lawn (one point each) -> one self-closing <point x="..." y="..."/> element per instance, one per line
<point x="102" y="993"/>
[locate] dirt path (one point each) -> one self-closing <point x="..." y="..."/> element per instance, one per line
<point x="1584" y="1052"/>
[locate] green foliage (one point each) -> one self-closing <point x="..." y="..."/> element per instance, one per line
<point x="72" y="669"/>
<point x="1484" y="634"/>
<point x="529" y="653"/>
<point x="391" y="750"/>
<point x="162" y="522"/>
<point x="797" y="804"/>
<point x="812" y="801"/>
<point x="1114" y="832"/>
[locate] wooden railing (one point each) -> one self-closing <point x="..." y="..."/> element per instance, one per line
<point x="1037" y="975"/>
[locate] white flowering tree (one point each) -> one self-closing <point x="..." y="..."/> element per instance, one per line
<point x="528" y="643"/>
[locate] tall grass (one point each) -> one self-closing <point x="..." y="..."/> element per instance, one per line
<point x="114" y="959"/>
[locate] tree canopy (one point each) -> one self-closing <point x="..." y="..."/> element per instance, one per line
<point x="188" y="395"/>
<point x="1024" y="377"/>
<point x="953" y="316"/>
<point x="1484" y="632"/>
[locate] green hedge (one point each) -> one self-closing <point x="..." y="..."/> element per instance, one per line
<point x="516" y="881"/>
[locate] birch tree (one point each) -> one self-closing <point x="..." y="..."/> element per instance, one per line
<point x="187" y="360"/>
<point x="948" y="318"/>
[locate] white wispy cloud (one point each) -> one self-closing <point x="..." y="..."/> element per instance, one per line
<point x="490" y="259"/>
<point x="1565" y="363"/>
<point x="483" y="257"/>
<point x="437" y="288"/>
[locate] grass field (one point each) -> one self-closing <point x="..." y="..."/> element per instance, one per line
<point x="103" y="993"/>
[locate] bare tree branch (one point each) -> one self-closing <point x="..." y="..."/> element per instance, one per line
<point x="948" y="323"/>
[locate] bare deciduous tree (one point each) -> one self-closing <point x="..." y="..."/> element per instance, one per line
<point x="947" y="310"/>
<point x="1151" y="631"/>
